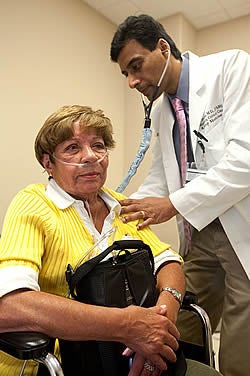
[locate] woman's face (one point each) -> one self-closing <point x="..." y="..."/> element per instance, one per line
<point x="86" y="148"/>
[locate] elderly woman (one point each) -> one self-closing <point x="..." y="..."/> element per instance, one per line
<point x="47" y="228"/>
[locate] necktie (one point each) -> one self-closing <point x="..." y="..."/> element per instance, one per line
<point x="182" y="124"/>
<point x="181" y="120"/>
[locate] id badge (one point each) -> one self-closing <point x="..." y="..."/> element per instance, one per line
<point x="193" y="173"/>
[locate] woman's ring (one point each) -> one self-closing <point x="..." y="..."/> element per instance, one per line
<point x="142" y="213"/>
<point x="149" y="367"/>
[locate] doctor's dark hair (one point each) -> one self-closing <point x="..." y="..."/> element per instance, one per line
<point x="145" y="30"/>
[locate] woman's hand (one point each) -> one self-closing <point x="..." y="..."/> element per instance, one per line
<point x="153" y="336"/>
<point x="141" y="367"/>
<point x="151" y="210"/>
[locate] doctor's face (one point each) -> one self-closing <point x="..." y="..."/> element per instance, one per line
<point x="142" y="67"/>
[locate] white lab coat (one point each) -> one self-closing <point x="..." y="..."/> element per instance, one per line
<point x="219" y="106"/>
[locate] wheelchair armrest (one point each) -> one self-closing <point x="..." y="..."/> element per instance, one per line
<point x="190" y="303"/>
<point x="24" y="345"/>
<point x="189" y="298"/>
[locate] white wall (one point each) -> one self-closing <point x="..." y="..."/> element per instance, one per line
<point x="233" y="34"/>
<point x="53" y="52"/>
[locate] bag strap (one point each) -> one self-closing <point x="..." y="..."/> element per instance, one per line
<point x="74" y="277"/>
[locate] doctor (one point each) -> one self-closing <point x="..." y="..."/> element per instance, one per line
<point x="208" y="182"/>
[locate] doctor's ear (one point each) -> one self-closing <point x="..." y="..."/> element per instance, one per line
<point x="163" y="45"/>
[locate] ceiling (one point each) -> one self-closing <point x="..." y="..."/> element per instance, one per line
<point x="200" y="13"/>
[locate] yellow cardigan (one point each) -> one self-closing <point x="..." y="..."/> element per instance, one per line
<point x="37" y="234"/>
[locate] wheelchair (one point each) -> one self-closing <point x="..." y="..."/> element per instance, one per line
<point x="36" y="346"/>
<point x="202" y="353"/>
<point x="30" y="346"/>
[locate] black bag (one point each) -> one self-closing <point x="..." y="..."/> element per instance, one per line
<point x="107" y="283"/>
<point x="124" y="279"/>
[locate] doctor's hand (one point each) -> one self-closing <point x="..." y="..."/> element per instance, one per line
<point x="149" y="210"/>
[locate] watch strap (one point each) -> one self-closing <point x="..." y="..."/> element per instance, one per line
<point x="176" y="294"/>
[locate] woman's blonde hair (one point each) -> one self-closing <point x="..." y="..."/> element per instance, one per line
<point x="59" y="128"/>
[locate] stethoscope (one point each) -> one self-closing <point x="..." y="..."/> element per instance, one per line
<point x="148" y="107"/>
<point x="146" y="133"/>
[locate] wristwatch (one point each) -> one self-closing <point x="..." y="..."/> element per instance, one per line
<point x="176" y="294"/>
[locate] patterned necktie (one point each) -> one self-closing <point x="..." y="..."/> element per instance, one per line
<point x="181" y="120"/>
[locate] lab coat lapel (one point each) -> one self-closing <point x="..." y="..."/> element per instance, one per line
<point x="170" y="163"/>
<point x="197" y="102"/>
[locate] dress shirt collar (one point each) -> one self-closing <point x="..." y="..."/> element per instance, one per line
<point x="183" y="86"/>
